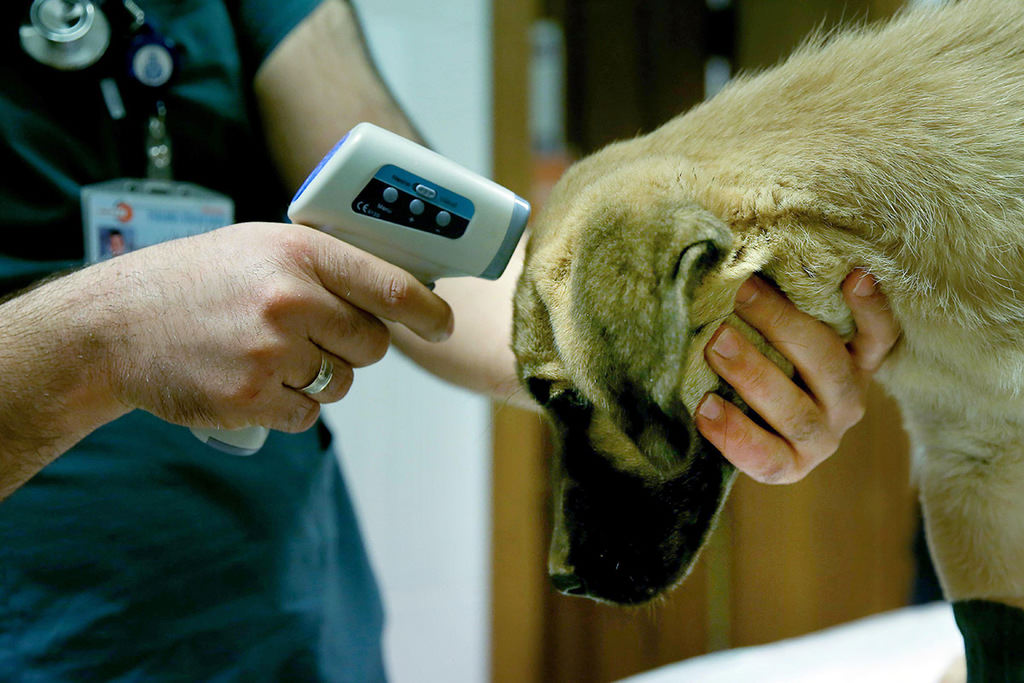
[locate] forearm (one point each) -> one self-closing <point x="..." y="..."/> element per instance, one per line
<point x="317" y="84"/>
<point x="478" y="355"/>
<point x="52" y="359"/>
<point x="313" y="87"/>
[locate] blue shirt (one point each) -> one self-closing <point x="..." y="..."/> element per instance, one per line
<point x="141" y="554"/>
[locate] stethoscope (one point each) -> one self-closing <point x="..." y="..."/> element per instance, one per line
<point x="71" y="35"/>
<point x="66" y="34"/>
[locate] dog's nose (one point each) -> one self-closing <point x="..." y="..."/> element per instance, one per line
<point x="569" y="584"/>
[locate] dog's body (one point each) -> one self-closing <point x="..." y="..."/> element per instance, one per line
<point x="898" y="149"/>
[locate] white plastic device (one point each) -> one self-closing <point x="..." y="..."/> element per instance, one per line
<point x="408" y="205"/>
<point x="244" y="441"/>
<point x="411" y="206"/>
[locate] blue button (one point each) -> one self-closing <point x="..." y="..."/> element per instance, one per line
<point x="443" y="219"/>
<point x="424" y="191"/>
<point x="416" y="206"/>
<point x="390" y="194"/>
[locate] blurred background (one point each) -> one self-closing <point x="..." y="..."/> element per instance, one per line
<point x="452" y="491"/>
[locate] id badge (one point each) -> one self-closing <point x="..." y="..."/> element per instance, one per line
<point x="123" y="215"/>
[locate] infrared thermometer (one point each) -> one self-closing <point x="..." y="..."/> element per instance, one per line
<point x="411" y="207"/>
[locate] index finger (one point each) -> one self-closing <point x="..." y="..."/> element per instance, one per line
<point x="877" y="330"/>
<point x="382" y="289"/>
<point x="816" y="351"/>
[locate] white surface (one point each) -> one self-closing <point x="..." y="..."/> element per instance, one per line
<point x="416" y="452"/>
<point x="911" y="645"/>
<point x="436" y="56"/>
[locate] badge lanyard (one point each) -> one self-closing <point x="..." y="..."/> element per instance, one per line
<point x="113" y="43"/>
<point x="72" y="35"/>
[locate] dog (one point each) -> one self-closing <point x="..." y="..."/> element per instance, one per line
<point x="898" y="149"/>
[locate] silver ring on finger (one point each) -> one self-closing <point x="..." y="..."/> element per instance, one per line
<point x="322" y="379"/>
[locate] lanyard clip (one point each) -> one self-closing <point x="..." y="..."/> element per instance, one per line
<point x="138" y="16"/>
<point x="158" y="145"/>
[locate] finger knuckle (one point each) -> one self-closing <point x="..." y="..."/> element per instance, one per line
<point x="378" y="341"/>
<point x="294" y="245"/>
<point x="301" y="417"/>
<point x="774" y="470"/>
<point x="372" y="335"/>
<point x="891" y="338"/>
<point x="783" y="465"/>
<point x="851" y="406"/>
<point x="735" y="438"/>
<point x="757" y="379"/>
<point x="849" y="373"/>
<point x="851" y="413"/>
<point x="828" y="445"/>
<point x="858" y="411"/>
<point x="277" y="297"/>
<point x="788" y="474"/>
<point x="265" y="353"/>
<point x="805" y="424"/>
<point x="767" y="464"/>
<point x="872" y="353"/>
<point x="776" y="313"/>
<point x="394" y="291"/>
<point x="245" y="390"/>
<point x="343" y="379"/>
<point x="347" y="324"/>
<point x="869" y="361"/>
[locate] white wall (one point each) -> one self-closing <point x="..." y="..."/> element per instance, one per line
<point x="416" y="452"/>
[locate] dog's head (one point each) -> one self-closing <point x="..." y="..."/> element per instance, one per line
<point x="626" y="278"/>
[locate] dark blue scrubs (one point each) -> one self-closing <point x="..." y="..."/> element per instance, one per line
<point x="143" y="555"/>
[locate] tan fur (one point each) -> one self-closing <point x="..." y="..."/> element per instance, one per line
<point x="898" y="149"/>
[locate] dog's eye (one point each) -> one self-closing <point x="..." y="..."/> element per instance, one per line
<point x="540" y="389"/>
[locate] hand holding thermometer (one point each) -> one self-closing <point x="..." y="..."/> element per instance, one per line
<point x="408" y="205"/>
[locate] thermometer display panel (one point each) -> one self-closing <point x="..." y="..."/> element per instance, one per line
<point x="397" y="196"/>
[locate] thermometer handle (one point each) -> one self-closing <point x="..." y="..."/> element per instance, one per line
<point x="244" y="441"/>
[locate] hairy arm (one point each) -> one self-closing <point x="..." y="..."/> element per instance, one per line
<point x="305" y="92"/>
<point x="55" y="388"/>
<point x="478" y="355"/>
<point x="318" y="83"/>
<point x="225" y="342"/>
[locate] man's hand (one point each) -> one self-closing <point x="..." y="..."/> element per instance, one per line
<point x="224" y="328"/>
<point x="304" y="91"/>
<point x="808" y="420"/>
<point x="217" y="330"/>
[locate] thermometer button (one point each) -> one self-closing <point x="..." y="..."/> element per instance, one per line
<point x="443" y="219"/>
<point x="416" y="207"/>
<point x="390" y="194"/>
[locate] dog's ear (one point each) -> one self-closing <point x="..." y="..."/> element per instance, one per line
<point x="632" y="284"/>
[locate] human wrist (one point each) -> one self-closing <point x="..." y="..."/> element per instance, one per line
<point x="55" y="389"/>
<point x="73" y="341"/>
